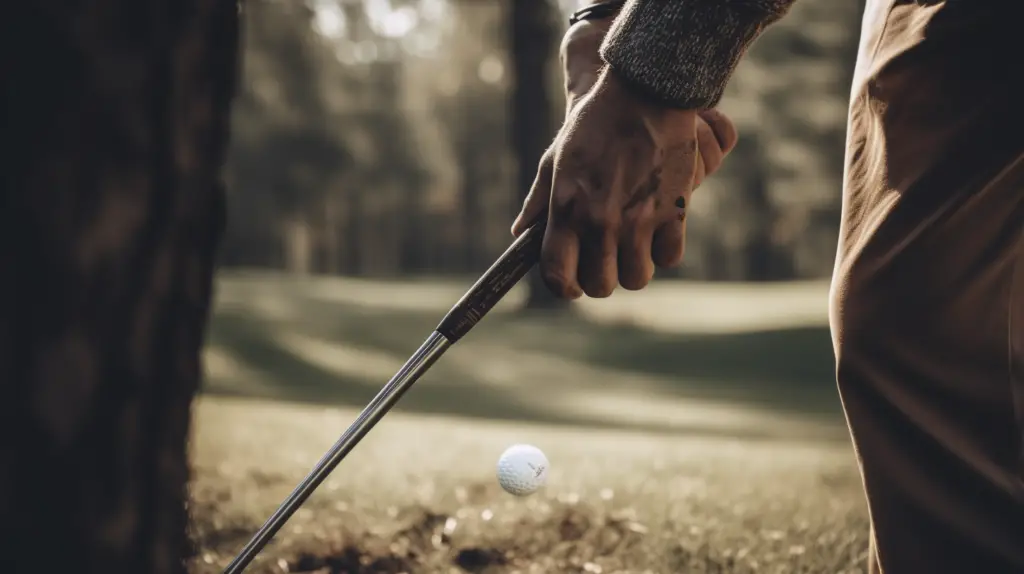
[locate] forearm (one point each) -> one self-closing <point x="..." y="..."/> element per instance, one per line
<point x="683" y="52"/>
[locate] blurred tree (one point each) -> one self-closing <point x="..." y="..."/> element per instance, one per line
<point x="763" y="258"/>
<point x="385" y="211"/>
<point x="534" y="43"/>
<point x="476" y="126"/>
<point x="324" y="175"/>
<point x="284" y="152"/>
<point x="112" y="209"/>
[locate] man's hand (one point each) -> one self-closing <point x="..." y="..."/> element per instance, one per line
<point x="618" y="178"/>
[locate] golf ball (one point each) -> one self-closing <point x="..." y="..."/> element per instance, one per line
<point x="522" y="469"/>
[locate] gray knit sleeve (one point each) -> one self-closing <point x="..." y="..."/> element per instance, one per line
<point x="683" y="52"/>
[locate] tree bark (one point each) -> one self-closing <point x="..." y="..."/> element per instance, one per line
<point x="116" y="124"/>
<point x="533" y="43"/>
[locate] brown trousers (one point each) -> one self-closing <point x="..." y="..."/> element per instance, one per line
<point x="927" y="304"/>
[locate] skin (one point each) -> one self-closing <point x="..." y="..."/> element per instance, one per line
<point x="618" y="177"/>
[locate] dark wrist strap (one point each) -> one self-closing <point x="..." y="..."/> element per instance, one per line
<point x="596" y="11"/>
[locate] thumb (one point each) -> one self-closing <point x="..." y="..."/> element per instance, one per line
<point x="540" y="194"/>
<point x="722" y="127"/>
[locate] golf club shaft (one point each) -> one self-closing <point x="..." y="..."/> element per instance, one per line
<point x="432" y="348"/>
<point x="512" y="266"/>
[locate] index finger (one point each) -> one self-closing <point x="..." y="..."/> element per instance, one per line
<point x="560" y="250"/>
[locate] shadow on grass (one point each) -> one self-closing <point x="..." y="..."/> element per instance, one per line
<point x="297" y="379"/>
<point x="788" y="371"/>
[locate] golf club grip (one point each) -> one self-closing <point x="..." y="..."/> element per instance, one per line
<point x="495" y="283"/>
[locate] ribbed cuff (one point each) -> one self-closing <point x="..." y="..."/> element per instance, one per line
<point x="682" y="53"/>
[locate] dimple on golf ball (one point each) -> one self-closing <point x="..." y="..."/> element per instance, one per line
<point x="522" y="469"/>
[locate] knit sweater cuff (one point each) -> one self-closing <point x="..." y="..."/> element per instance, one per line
<point x="681" y="53"/>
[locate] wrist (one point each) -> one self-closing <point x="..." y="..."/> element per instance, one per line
<point x="580" y="54"/>
<point x="619" y="88"/>
<point x="580" y="50"/>
<point x="588" y="27"/>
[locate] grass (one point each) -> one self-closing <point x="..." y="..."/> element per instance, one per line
<point x="691" y="428"/>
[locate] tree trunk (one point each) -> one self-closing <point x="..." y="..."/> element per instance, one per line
<point x="474" y="236"/>
<point x="112" y="210"/>
<point x="533" y="42"/>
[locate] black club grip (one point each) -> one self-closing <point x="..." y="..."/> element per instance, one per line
<point x="495" y="283"/>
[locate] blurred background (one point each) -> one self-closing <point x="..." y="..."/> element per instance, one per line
<point x="381" y="149"/>
<point x="383" y="138"/>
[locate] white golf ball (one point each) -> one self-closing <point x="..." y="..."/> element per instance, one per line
<point x="522" y="469"/>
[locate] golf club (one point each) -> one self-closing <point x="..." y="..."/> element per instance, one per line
<point x="494" y="284"/>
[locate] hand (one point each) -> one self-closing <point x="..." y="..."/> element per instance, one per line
<point x="617" y="181"/>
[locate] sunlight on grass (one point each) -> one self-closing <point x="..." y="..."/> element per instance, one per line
<point x="670" y="306"/>
<point x="716" y="308"/>
<point x="718" y="417"/>
<point x="677" y="357"/>
<point x="237" y="377"/>
<point x="339" y="359"/>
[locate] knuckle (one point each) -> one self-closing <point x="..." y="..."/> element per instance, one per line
<point x="547" y="160"/>
<point x="685" y="147"/>
<point x="631" y="219"/>
<point x="638" y="216"/>
<point x="600" y="217"/>
<point x="562" y="196"/>
<point x="559" y="284"/>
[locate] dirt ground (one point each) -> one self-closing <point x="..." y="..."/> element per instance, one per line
<point x="419" y="495"/>
<point x="697" y="442"/>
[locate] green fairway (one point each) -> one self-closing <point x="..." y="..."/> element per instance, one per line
<point x="336" y="341"/>
<point x="691" y="427"/>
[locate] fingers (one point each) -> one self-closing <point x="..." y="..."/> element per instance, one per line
<point x="539" y="196"/>
<point x="616" y="205"/>
<point x="716" y="137"/>
<point x="590" y="247"/>
<point x="599" y="270"/>
<point x="669" y="244"/>
<point x="636" y="266"/>
<point x="580" y="249"/>
<point x="560" y="250"/>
